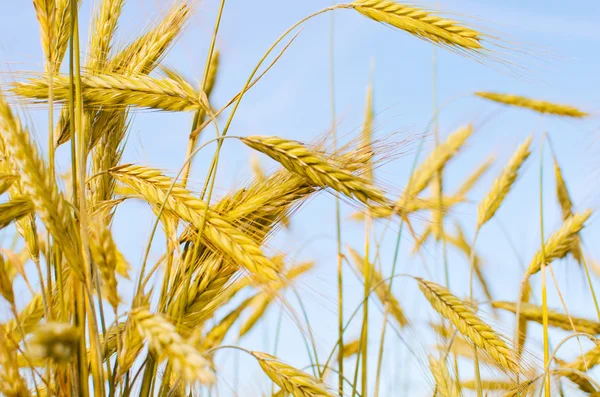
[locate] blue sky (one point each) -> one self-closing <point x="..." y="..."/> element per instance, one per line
<point x="554" y="45"/>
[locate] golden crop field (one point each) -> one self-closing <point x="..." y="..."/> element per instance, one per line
<point x="119" y="277"/>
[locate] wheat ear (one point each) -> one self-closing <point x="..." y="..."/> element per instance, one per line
<point x="436" y="160"/>
<point x="114" y="90"/>
<point x="444" y="383"/>
<point x="502" y="185"/>
<point x="14" y="210"/>
<point x="560" y="243"/>
<point x="469" y="324"/>
<point x="218" y="232"/>
<point x="49" y="203"/>
<point x="313" y="166"/>
<point x="163" y="338"/>
<point x="533" y="104"/>
<point x="291" y="380"/>
<point x="556" y="319"/>
<point x="420" y="23"/>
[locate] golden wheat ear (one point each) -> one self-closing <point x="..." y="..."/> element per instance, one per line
<point x="534" y="104"/>
<point x="469" y="324"/>
<point x="420" y="23"/>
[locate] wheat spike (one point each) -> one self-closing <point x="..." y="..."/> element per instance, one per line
<point x="468" y="184"/>
<point x="436" y="160"/>
<point x="104" y="27"/>
<point x="143" y="54"/>
<point x="106" y="256"/>
<point x="555" y="319"/>
<point x="215" y="336"/>
<point x="50" y="204"/>
<point x="11" y="382"/>
<point x="6" y="181"/>
<point x="466" y="321"/>
<point x="560" y="243"/>
<point x="382" y="289"/>
<point x="62" y="30"/>
<point x="566" y="205"/>
<point x="55" y="340"/>
<point x="114" y="90"/>
<point x="502" y="185"/>
<point x="586" y="362"/>
<point x="163" y="338"/>
<point x="444" y="383"/>
<point x="420" y="23"/>
<point x="291" y="380"/>
<point x="263" y="300"/>
<point x="14" y="210"/>
<point x="45" y="11"/>
<point x="313" y="166"/>
<point x="581" y="382"/>
<point x="218" y="232"/>
<point x="351" y="348"/>
<point x="533" y="104"/>
<point x="490" y="385"/>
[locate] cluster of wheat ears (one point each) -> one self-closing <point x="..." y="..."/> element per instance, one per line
<point x="76" y="335"/>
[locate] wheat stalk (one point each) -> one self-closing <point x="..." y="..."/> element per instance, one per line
<point x="420" y="23"/>
<point x="535" y="105"/>
<point x="502" y="184"/>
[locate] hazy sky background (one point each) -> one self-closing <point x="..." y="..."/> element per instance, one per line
<point x="556" y="52"/>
